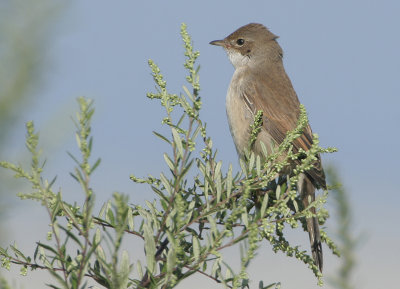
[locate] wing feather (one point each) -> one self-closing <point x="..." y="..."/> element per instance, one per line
<point x="281" y="109"/>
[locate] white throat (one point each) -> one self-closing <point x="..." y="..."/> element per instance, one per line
<point x="237" y="59"/>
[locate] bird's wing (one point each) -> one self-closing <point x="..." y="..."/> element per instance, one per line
<point x="281" y="109"/>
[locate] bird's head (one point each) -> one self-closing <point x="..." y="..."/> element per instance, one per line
<point x="250" y="45"/>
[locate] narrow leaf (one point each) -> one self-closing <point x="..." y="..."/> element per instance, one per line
<point x="264" y="149"/>
<point x="177" y="141"/>
<point x="278" y="192"/>
<point x="166" y="183"/>
<point x="219" y="188"/>
<point x="139" y="269"/>
<point x="258" y="165"/>
<point x="251" y="161"/>
<point x="243" y="166"/>
<point x="150" y="248"/>
<point x="264" y="204"/>
<point x="218" y="168"/>
<point x="296" y="206"/>
<point x="169" y="162"/>
<point x="196" y="248"/>
<point x="130" y="219"/>
<point x="171" y="260"/>
<point x="188" y="93"/>
<point x="96" y="164"/>
<point x="229" y="182"/>
<point x="162" y="137"/>
<point x="245" y="219"/>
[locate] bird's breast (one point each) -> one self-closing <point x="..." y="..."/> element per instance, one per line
<point x="239" y="116"/>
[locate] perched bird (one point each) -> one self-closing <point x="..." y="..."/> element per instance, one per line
<point x="261" y="83"/>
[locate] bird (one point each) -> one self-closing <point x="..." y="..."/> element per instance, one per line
<point x="260" y="82"/>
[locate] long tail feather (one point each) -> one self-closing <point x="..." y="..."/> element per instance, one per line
<point x="307" y="191"/>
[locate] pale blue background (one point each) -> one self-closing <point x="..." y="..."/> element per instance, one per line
<point x="342" y="57"/>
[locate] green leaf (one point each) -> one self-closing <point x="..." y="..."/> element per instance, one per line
<point x="196" y="132"/>
<point x="42" y="257"/>
<point x="188" y="93"/>
<point x="186" y="169"/>
<point x="272" y="146"/>
<point x="51" y="183"/>
<point x="213" y="224"/>
<point x="139" y="269"/>
<point x="264" y="149"/>
<point x="219" y="187"/>
<point x="206" y="189"/>
<point x="131" y="225"/>
<point x="105" y="207"/>
<point x="160" y="193"/>
<point x="78" y="140"/>
<point x="228" y="274"/>
<point x="190" y="211"/>
<point x="90" y="143"/>
<point x="258" y="165"/>
<point x="24" y="270"/>
<point x="56" y="229"/>
<point x="100" y="254"/>
<point x="71" y="235"/>
<point x="74" y="177"/>
<point x="150" y="248"/>
<point x="171" y="260"/>
<point x="177" y="141"/>
<point x="166" y="183"/>
<point x="251" y="161"/>
<point x="34" y="254"/>
<point x="243" y="166"/>
<point x="178" y="124"/>
<point x="264" y="204"/>
<point x="18" y="253"/>
<point x="196" y="248"/>
<point x="218" y="168"/>
<point x="273" y="285"/>
<point x="216" y="268"/>
<point x="97" y="236"/>
<point x="96" y="164"/>
<point x="110" y="216"/>
<point x="59" y="279"/>
<point x="162" y="137"/>
<point x="124" y="268"/>
<point x="278" y="192"/>
<point x="44" y="246"/>
<point x="73" y="158"/>
<point x="296" y="206"/>
<point x="204" y="266"/>
<point x="164" y="204"/>
<point x="229" y="182"/>
<point x="169" y="162"/>
<point x="245" y="219"/>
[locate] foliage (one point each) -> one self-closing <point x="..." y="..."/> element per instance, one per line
<point x="347" y="240"/>
<point x="194" y="218"/>
<point x="24" y="27"/>
<point x="24" y="37"/>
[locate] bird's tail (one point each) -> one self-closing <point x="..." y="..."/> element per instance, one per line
<point x="315" y="241"/>
<point x="307" y="191"/>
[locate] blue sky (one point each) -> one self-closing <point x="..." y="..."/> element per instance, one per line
<point x="342" y="57"/>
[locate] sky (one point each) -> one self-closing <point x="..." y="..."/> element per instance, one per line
<point x="342" y="58"/>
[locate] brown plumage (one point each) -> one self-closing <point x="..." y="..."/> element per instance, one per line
<point x="261" y="83"/>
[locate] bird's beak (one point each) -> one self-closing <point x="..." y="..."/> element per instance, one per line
<point x="218" y="43"/>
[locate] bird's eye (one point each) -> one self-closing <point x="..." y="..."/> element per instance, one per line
<point x="240" y="41"/>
